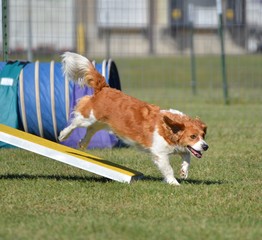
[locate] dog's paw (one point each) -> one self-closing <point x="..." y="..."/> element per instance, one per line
<point x="184" y="173"/>
<point x="81" y="145"/>
<point x="172" y="181"/>
<point x="62" y="136"/>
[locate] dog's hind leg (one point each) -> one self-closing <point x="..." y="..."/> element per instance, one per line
<point x="78" y="121"/>
<point x="83" y="143"/>
<point x="185" y="165"/>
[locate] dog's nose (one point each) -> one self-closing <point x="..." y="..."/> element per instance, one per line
<point x="204" y="146"/>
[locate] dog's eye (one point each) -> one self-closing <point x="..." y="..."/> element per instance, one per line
<point x="193" y="136"/>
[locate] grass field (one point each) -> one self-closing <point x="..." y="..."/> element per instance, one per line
<point x="221" y="199"/>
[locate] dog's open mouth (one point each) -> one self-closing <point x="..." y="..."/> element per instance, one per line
<point x="196" y="153"/>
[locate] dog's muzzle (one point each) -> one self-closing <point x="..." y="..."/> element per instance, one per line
<point x="198" y="152"/>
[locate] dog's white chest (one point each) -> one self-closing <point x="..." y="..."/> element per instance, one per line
<point x="160" y="145"/>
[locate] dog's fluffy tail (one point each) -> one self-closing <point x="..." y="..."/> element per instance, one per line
<point x="81" y="70"/>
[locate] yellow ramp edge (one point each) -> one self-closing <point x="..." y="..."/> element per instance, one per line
<point x="67" y="155"/>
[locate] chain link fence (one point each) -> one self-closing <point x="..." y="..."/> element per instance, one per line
<point x="164" y="49"/>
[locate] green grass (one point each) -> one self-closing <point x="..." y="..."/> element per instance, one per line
<point x="170" y="78"/>
<point x="44" y="199"/>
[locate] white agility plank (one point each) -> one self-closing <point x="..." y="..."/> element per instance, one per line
<point x="67" y="155"/>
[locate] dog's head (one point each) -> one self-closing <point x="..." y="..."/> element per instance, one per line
<point x="187" y="133"/>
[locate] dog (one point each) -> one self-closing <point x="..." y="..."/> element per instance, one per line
<point x="137" y="123"/>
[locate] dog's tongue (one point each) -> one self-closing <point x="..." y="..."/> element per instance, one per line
<point x="196" y="153"/>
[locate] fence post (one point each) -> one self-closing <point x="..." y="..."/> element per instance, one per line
<point x="5" y="30"/>
<point x="151" y="26"/>
<point x="223" y="58"/>
<point x="29" y="31"/>
<point x="192" y="57"/>
<point x="192" y="50"/>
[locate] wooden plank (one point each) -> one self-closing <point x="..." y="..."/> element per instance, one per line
<point x="67" y="155"/>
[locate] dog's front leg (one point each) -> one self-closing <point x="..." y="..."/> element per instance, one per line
<point x="78" y="121"/>
<point x="185" y="165"/>
<point x="65" y="133"/>
<point x="163" y="164"/>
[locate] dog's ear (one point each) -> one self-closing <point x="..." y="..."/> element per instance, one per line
<point x="175" y="125"/>
<point x="205" y="128"/>
<point x="202" y="125"/>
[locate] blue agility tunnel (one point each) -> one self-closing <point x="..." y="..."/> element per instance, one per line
<point x="46" y="99"/>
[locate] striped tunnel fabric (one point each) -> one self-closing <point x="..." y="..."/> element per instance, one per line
<point x="46" y="99"/>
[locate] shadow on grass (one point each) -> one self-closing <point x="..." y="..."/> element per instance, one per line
<point x="54" y="177"/>
<point x="100" y="179"/>
<point x="185" y="181"/>
<point x="203" y="182"/>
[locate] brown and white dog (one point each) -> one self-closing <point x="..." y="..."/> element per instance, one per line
<point x="161" y="132"/>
